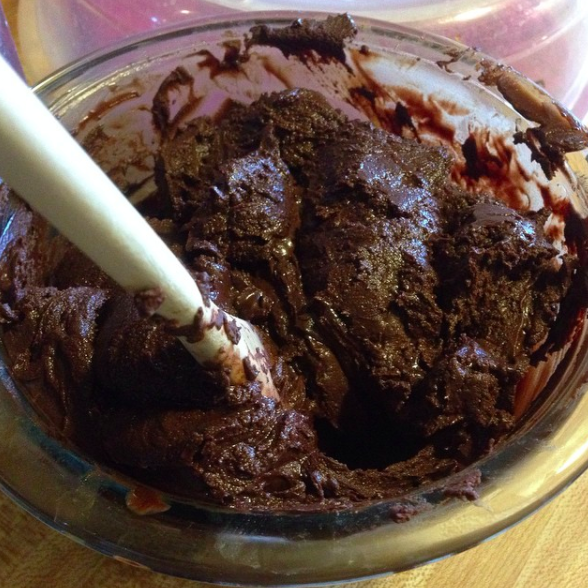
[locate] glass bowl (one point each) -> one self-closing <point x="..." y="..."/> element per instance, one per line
<point x="112" y="91"/>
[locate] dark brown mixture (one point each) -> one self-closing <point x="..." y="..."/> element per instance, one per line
<point x="325" y="39"/>
<point x="401" y="313"/>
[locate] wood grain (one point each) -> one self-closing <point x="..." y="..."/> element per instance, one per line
<point x="547" y="550"/>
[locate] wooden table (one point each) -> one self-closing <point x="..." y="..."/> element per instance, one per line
<point x="548" y="550"/>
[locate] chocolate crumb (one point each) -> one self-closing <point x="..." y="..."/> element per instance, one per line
<point x="403" y="512"/>
<point x="464" y="486"/>
<point x="148" y="301"/>
<point x="251" y="372"/>
<point x="232" y="329"/>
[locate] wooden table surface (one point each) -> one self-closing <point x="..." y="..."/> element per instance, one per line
<point x="548" y="549"/>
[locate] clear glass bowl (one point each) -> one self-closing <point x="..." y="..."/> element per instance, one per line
<point x="212" y="544"/>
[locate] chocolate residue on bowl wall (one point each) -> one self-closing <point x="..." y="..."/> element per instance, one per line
<point x="402" y="302"/>
<point x="325" y="39"/>
<point x="558" y="132"/>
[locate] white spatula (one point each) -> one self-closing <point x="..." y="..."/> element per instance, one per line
<point x="42" y="162"/>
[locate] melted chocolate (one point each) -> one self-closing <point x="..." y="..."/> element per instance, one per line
<point x="325" y="38"/>
<point x="401" y="312"/>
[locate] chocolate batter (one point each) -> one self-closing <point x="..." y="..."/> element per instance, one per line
<point x="400" y="311"/>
